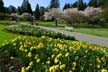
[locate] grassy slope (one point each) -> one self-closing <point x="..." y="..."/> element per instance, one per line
<point x="4" y="35"/>
<point x="102" y="32"/>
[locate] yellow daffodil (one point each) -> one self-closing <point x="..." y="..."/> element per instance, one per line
<point x="67" y="54"/>
<point x="48" y="62"/>
<point x="29" y="54"/>
<point x="31" y="63"/>
<point x="23" y="69"/>
<point x="38" y="60"/>
<point x="62" y="66"/>
<point x="104" y="70"/>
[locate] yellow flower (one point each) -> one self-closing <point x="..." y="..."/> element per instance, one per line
<point x="74" y="63"/>
<point x="67" y="54"/>
<point x="40" y="45"/>
<point x="48" y="62"/>
<point x="25" y="50"/>
<point x="53" y="68"/>
<point x="38" y="60"/>
<point x="98" y="60"/>
<point x="59" y="55"/>
<point x="52" y="56"/>
<point x="27" y="68"/>
<point x="56" y="60"/>
<point x="21" y="48"/>
<point x="70" y="70"/>
<point x="31" y="63"/>
<point x="62" y="66"/>
<point x="23" y="69"/>
<point x="11" y="57"/>
<point x="98" y="66"/>
<point x="36" y="56"/>
<point x="29" y="54"/>
<point x="103" y="70"/>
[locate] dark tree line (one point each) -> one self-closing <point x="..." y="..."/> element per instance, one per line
<point x="81" y="5"/>
<point x="39" y="11"/>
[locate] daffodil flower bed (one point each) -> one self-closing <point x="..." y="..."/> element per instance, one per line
<point x="45" y="54"/>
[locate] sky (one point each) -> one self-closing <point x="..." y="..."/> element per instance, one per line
<point x="33" y="3"/>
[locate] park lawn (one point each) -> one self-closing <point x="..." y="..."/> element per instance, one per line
<point x="4" y="35"/>
<point x="102" y="32"/>
<point x="50" y="23"/>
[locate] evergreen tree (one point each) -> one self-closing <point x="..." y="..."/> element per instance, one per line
<point x="12" y="9"/>
<point x="2" y="6"/>
<point x="75" y="4"/>
<point x="42" y="10"/>
<point x="37" y="12"/>
<point x="7" y="10"/>
<point x="103" y="3"/>
<point x="26" y="7"/>
<point x="19" y="10"/>
<point x="93" y="3"/>
<point x="67" y="5"/>
<point x="54" y="4"/>
<point x="80" y="5"/>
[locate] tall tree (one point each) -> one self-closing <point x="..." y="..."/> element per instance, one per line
<point x="54" y="4"/>
<point x="93" y="3"/>
<point x="26" y="7"/>
<point x="37" y="12"/>
<point x="12" y="9"/>
<point x="104" y="3"/>
<point x="67" y="5"/>
<point x="42" y="11"/>
<point x="19" y="10"/>
<point x="80" y="5"/>
<point x="2" y="6"/>
<point x="74" y="4"/>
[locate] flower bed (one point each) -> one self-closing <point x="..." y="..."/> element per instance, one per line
<point x="36" y="31"/>
<point x="46" y="54"/>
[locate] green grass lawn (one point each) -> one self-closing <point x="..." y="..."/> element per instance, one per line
<point x="102" y="32"/>
<point x="4" y="35"/>
<point x="50" y="23"/>
<point x="82" y="28"/>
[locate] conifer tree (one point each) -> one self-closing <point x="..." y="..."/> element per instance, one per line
<point x="37" y="12"/>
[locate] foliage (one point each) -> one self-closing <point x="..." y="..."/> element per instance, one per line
<point x="37" y="12"/>
<point x="1" y="6"/>
<point x="26" y="7"/>
<point x="103" y="16"/>
<point x="54" y="55"/>
<point x="67" y="5"/>
<point x="12" y="9"/>
<point x="54" y="4"/>
<point x="26" y="17"/>
<point x="19" y="11"/>
<point x="81" y="5"/>
<point x="94" y="3"/>
<point x="36" y="31"/>
<point x="72" y="16"/>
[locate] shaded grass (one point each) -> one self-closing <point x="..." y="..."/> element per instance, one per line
<point x="102" y="32"/>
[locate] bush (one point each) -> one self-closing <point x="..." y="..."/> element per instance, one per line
<point x="58" y="55"/>
<point x="26" y="17"/>
<point x="36" y="31"/>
